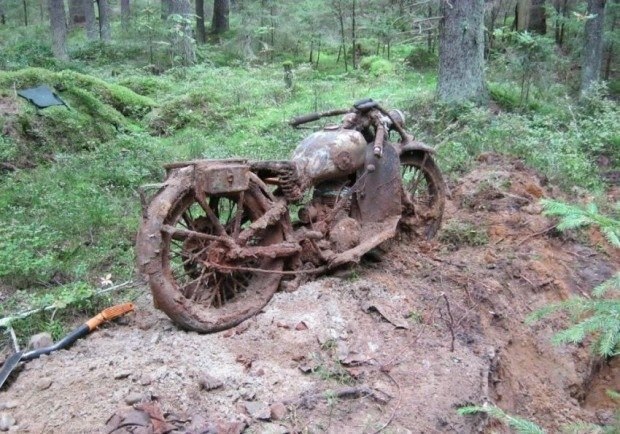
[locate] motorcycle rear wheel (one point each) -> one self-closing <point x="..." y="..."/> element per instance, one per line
<point x="424" y="194"/>
<point x="191" y="277"/>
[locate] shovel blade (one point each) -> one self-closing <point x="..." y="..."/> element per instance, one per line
<point x="9" y="365"/>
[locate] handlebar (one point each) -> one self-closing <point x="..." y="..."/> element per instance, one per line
<point x="363" y="107"/>
<point x="310" y="117"/>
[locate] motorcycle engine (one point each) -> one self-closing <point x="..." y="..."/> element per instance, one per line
<point x="328" y="212"/>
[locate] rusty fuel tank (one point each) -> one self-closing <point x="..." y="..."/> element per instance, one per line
<point x="329" y="154"/>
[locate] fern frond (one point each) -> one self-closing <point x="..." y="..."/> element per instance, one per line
<point x="571" y="335"/>
<point x="469" y="410"/>
<point x="611" y="234"/>
<point x="613" y="394"/>
<point x="583" y="428"/>
<point x="520" y="425"/>
<point x="609" y="341"/>
<point x="573" y="222"/>
<point x="573" y="217"/>
<point x="543" y="312"/>
<point x="612" y="284"/>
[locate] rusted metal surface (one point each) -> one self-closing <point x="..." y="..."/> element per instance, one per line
<point x="218" y="237"/>
<point x="380" y="195"/>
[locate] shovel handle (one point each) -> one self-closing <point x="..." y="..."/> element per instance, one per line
<point x="109" y="314"/>
<point x="103" y="316"/>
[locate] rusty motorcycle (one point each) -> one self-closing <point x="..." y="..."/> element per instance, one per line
<point x="220" y="237"/>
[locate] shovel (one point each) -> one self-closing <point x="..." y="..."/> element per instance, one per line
<point x="90" y="325"/>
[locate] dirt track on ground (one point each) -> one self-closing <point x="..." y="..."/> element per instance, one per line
<point x="398" y="344"/>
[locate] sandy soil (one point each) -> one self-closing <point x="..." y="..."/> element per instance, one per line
<point x="397" y="345"/>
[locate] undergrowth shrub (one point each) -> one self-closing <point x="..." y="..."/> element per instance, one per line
<point x="189" y="110"/>
<point x="551" y="143"/>
<point x="600" y="315"/>
<point x="376" y="65"/>
<point x="422" y="58"/>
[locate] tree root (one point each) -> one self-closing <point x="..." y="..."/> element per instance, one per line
<point x="309" y="400"/>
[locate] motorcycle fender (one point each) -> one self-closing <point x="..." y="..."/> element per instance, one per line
<point x="379" y="197"/>
<point x="414" y="145"/>
<point x="214" y="178"/>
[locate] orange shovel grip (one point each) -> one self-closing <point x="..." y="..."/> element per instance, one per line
<point x="109" y="314"/>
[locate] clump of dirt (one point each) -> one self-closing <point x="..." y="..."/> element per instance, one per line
<point x="400" y="343"/>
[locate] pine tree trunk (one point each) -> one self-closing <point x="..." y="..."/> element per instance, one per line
<point x="166" y="9"/>
<point x="25" y="5"/>
<point x="593" y="45"/>
<point x="354" y="37"/>
<point x="182" y="40"/>
<point x="461" y="52"/>
<point x="58" y="24"/>
<point x="76" y="13"/>
<point x="522" y="14"/>
<point x="220" y="22"/>
<point x="125" y="15"/>
<point x="105" y="32"/>
<point x="609" y="55"/>
<point x="201" y="33"/>
<point x="92" y="33"/>
<point x="538" y="19"/>
<point x="2" y="13"/>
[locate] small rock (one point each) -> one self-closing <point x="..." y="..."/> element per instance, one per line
<point x="121" y="375"/>
<point x="8" y="405"/>
<point x="44" y="384"/>
<point x="282" y="325"/>
<point x="258" y="410"/>
<point x="6" y="422"/>
<point x="155" y="338"/>
<point x="133" y="398"/>
<point x="145" y="380"/>
<point x="278" y="411"/>
<point x="40" y="340"/>
<point x="301" y="326"/>
<point x="247" y="394"/>
<point x="258" y="373"/>
<point x="207" y="382"/>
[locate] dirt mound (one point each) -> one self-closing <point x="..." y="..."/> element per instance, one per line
<point x="401" y="342"/>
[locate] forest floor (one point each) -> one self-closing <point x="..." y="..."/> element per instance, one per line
<point x="397" y="345"/>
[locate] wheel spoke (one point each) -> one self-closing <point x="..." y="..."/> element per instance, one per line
<point x="198" y="270"/>
<point x="217" y="225"/>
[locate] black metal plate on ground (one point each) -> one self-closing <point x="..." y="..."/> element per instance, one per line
<point x="41" y="96"/>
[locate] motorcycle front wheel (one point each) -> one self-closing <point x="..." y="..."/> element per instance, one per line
<point x="183" y="249"/>
<point x="424" y="194"/>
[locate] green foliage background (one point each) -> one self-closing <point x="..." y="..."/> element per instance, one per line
<point x="71" y="209"/>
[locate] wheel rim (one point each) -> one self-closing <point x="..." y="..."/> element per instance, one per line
<point x="202" y="272"/>
<point x="423" y="195"/>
